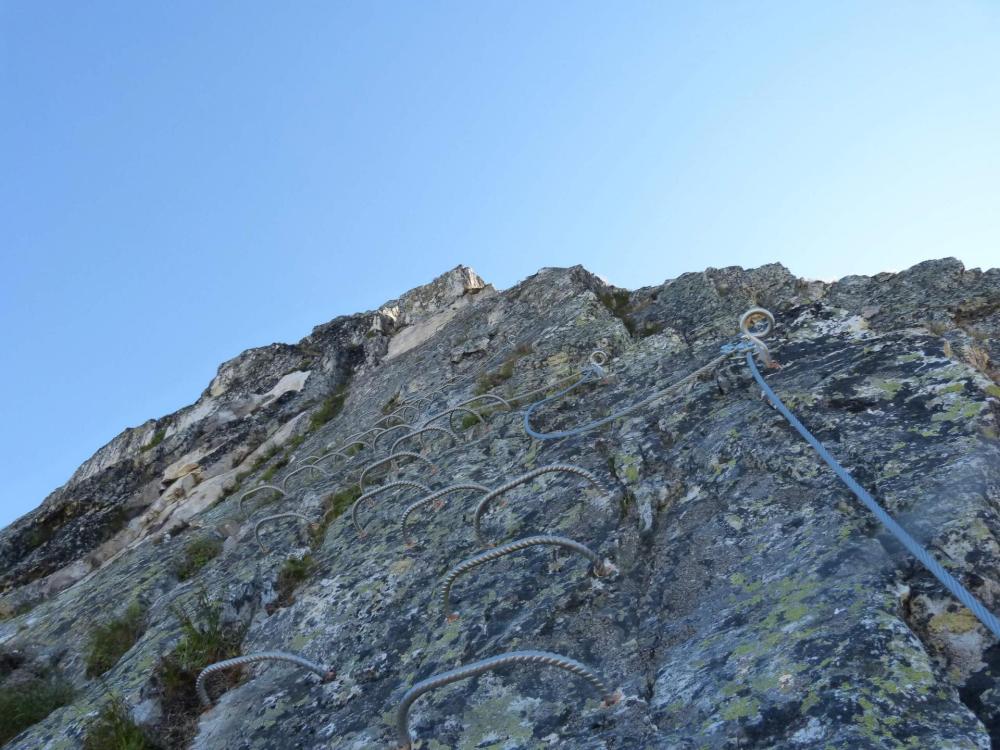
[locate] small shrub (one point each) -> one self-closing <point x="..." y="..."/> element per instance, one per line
<point x="29" y="701"/>
<point x="197" y="555"/>
<point x="154" y="441"/>
<point x="469" y="420"/>
<point x="109" y="641"/>
<point x="290" y="577"/>
<point x="115" y="729"/>
<point x="330" y="408"/>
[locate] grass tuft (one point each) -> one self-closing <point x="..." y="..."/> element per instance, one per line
<point x="273" y="469"/>
<point x="490" y="380"/>
<point x="291" y="576"/>
<point x="115" y="729"/>
<point x="154" y="441"/>
<point x="197" y="555"/>
<point x="200" y="645"/>
<point x="334" y="506"/>
<point x="330" y="408"/>
<point x="109" y="641"/>
<point x="26" y="702"/>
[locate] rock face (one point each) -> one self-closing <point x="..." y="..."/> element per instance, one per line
<point x="755" y="603"/>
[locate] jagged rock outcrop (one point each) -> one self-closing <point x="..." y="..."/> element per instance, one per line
<point x="755" y="603"/>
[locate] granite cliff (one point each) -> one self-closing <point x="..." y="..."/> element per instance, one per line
<point x="749" y="600"/>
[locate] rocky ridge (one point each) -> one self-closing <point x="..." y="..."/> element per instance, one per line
<point x="755" y="603"/>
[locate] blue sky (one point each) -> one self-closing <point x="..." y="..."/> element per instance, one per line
<point x="182" y="181"/>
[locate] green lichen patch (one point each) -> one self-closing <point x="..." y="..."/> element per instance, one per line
<point x="961" y="621"/>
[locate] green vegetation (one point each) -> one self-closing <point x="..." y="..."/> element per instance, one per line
<point x="199" y="646"/>
<point x="266" y="456"/>
<point x="271" y="470"/>
<point x="114" y="729"/>
<point x="197" y="555"/>
<point x="333" y="506"/>
<point x="330" y="408"/>
<point x="619" y="303"/>
<point x="290" y="577"/>
<point x="236" y="486"/>
<point x="29" y="701"/>
<point x="154" y="441"/>
<point x="392" y="404"/>
<point x="469" y="420"/>
<point x="490" y="380"/>
<point x="109" y="641"/>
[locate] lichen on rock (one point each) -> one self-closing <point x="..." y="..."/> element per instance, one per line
<point x="755" y="603"/>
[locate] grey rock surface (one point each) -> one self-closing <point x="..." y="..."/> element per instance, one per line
<point x="755" y="603"/>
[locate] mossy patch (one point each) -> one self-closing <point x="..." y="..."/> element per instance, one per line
<point x="273" y="469"/>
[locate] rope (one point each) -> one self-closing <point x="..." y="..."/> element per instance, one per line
<point x="926" y="559"/>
